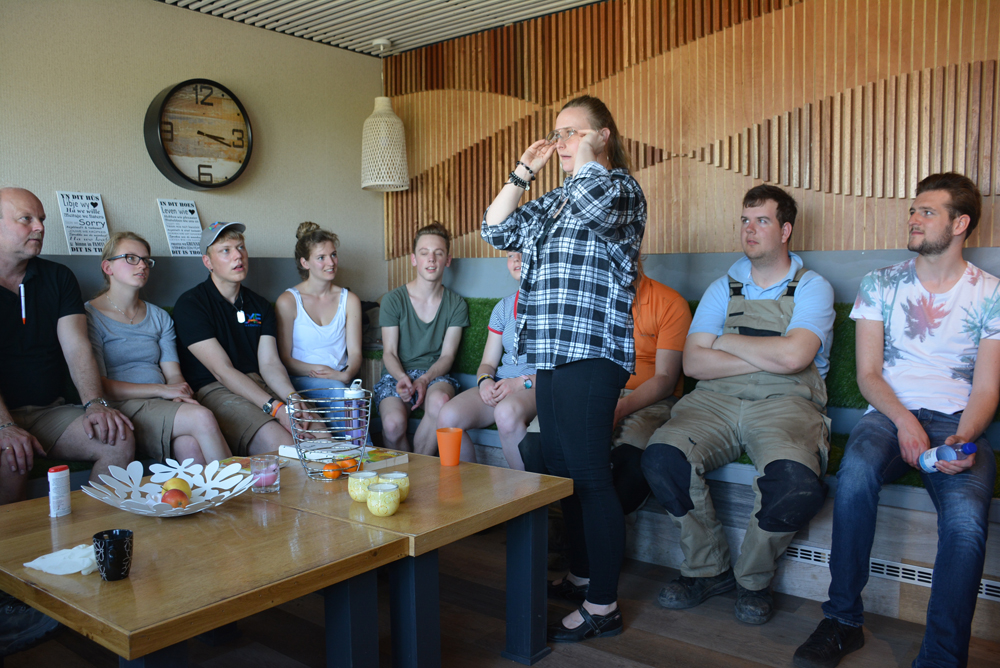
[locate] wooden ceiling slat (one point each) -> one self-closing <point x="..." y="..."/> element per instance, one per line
<point x="354" y="24"/>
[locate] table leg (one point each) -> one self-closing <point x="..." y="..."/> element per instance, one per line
<point x="415" y="611"/>
<point x="351" y="611"/>
<point x="220" y="636"/>
<point x="174" y="656"/>
<point x="527" y="601"/>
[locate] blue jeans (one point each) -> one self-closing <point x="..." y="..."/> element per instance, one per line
<point x="310" y="383"/>
<point x="872" y="458"/>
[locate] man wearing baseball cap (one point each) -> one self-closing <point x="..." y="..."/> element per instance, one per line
<point x="229" y="351"/>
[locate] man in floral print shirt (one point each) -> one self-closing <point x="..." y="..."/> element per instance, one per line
<point x="928" y="349"/>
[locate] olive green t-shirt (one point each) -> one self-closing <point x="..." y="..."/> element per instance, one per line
<point x="420" y="342"/>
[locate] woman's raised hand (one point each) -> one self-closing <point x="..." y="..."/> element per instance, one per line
<point x="592" y="144"/>
<point x="536" y="155"/>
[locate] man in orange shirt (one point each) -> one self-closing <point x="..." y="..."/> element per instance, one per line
<point x="662" y="318"/>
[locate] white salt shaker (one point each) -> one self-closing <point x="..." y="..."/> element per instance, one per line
<point x="59" y="491"/>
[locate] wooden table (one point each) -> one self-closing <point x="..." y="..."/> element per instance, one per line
<point x="196" y="573"/>
<point x="447" y="503"/>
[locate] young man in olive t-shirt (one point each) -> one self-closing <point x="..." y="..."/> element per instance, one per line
<point x="422" y="325"/>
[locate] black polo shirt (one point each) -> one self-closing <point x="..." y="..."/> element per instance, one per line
<point x="202" y="313"/>
<point x="32" y="367"/>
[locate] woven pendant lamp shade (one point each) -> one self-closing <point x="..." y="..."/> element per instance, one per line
<point x="383" y="150"/>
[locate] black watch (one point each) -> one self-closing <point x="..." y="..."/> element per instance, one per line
<point x="269" y="405"/>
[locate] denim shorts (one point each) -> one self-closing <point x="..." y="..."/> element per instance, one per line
<point x="386" y="387"/>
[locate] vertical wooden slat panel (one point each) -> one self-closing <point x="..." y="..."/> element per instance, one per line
<point x="868" y="135"/>
<point x="830" y="98"/>
<point x="796" y="149"/>
<point x="986" y="127"/>
<point x="961" y="116"/>
<point x="972" y="127"/>
<point x="914" y="139"/>
<point x="758" y="134"/>
<point x="785" y="173"/>
<point x="810" y="146"/>
<point x="839" y="139"/>
<point x="826" y="145"/>
<point x="857" y="138"/>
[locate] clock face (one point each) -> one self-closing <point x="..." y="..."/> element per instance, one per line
<point x="198" y="134"/>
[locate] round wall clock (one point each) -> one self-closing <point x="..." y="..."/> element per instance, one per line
<point x="198" y="134"/>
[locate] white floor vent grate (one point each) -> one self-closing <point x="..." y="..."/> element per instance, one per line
<point x="889" y="570"/>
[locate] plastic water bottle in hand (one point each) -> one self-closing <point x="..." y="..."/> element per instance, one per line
<point x="945" y="453"/>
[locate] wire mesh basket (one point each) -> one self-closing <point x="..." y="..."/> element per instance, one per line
<point x="330" y="425"/>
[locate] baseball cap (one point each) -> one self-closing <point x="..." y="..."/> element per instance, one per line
<point x="212" y="232"/>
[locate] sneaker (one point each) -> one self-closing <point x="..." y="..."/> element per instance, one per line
<point x="685" y="592"/>
<point x="754" y="607"/>
<point x="21" y="626"/>
<point x="828" y="644"/>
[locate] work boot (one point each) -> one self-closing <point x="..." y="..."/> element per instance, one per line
<point x="754" y="607"/>
<point x="828" y="644"/>
<point x="21" y="626"/>
<point x="685" y="592"/>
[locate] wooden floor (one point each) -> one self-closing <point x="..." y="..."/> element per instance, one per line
<point x="472" y="623"/>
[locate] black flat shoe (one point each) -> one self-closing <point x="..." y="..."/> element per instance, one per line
<point x="594" y="626"/>
<point x="568" y="591"/>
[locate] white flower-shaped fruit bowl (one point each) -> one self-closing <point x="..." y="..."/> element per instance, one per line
<point x="209" y="487"/>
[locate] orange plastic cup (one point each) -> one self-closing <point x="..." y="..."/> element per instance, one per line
<point x="449" y="445"/>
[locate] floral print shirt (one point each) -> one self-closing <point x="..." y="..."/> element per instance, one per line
<point x="930" y="340"/>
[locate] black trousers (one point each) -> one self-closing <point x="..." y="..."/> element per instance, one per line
<point x="576" y="411"/>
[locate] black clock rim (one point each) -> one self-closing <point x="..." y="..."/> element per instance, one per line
<point x="158" y="152"/>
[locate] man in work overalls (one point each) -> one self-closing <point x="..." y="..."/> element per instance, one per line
<point x="759" y="346"/>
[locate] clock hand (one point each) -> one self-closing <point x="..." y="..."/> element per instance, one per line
<point x="216" y="138"/>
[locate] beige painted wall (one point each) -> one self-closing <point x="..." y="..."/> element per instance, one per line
<point x="77" y="76"/>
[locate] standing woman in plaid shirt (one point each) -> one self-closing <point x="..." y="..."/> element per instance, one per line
<point x="580" y="248"/>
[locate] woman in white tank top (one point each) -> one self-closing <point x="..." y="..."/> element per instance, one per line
<point x="319" y="323"/>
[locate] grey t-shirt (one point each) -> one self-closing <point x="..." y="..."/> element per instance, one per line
<point x="132" y="353"/>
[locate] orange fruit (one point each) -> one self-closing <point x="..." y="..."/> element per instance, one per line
<point x="331" y="470"/>
<point x="351" y="464"/>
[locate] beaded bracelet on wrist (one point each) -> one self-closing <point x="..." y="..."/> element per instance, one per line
<point x="530" y="170"/>
<point x="518" y="181"/>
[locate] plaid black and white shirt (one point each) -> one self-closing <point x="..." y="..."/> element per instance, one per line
<point x="575" y="301"/>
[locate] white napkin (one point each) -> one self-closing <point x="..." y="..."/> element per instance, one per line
<point x="79" y="559"/>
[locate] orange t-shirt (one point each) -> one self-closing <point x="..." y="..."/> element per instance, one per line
<point x="662" y="318"/>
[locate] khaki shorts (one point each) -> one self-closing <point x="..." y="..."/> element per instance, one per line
<point x="637" y="428"/>
<point x="153" y="420"/>
<point x="239" y="418"/>
<point x="47" y="423"/>
<point x="713" y="429"/>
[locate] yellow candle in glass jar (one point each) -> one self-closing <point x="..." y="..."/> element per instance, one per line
<point x="399" y="479"/>
<point x="358" y="483"/>
<point x="383" y="499"/>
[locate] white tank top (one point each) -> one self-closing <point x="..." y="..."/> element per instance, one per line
<point x="313" y="344"/>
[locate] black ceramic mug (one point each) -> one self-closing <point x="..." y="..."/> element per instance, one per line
<point x="113" y="550"/>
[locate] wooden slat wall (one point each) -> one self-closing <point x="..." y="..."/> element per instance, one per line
<point x="847" y="103"/>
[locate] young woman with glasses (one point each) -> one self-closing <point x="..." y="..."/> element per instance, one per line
<point x="135" y="348"/>
<point x="580" y="249"/>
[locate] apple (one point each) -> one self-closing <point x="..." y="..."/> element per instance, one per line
<point x="178" y="483"/>
<point x="176" y="498"/>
